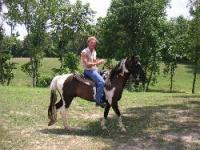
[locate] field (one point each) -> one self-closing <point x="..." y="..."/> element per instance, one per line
<point x="154" y="120"/>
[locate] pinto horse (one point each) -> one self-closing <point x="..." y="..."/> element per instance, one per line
<point x="73" y="85"/>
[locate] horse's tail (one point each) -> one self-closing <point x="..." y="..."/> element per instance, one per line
<point x="52" y="115"/>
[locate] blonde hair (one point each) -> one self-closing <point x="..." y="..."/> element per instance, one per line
<point x="91" y="38"/>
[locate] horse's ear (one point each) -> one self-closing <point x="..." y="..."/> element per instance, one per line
<point x="135" y="58"/>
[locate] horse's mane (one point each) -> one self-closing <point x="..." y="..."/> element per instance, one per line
<point x="116" y="70"/>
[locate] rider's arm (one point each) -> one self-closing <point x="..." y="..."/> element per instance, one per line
<point x="89" y="64"/>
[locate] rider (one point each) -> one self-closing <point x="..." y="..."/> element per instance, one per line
<point x="89" y="61"/>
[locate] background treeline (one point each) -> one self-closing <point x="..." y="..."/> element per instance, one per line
<point x="58" y="28"/>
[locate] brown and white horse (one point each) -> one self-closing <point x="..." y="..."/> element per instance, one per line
<point x="73" y="85"/>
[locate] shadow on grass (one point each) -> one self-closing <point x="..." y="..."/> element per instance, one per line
<point x="164" y="91"/>
<point x="153" y="127"/>
<point x="187" y="96"/>
<point x="4" y="137"/>
<point x="190" y="69"/>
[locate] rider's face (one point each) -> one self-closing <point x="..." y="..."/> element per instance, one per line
<point x="92" y="44"/>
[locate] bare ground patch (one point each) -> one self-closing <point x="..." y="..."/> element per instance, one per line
<point x="167" y="126"/>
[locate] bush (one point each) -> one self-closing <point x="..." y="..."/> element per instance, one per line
<point x="71" y="61"/>
<point x="69" y="64"/>
<point x="109" y="64"/>
<point x="134" y="86"/>
<point x="6" y="68"/>
<point x="44" y="81"/>
<point x="60" y="71"/>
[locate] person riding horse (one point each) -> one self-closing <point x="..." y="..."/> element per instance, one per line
<point x="105" y="93"/>
<point x="72" y="85"/>
<point x="90" y="62"/>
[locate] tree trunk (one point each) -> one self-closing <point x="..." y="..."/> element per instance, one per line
<point x="195" y="70"/>
<point x="149" y="80"/>
<point x="195" y="76"/>
<point x="194" y="82"/>
<point x="152" y="70"/>
<point x="61" y="62"/>
<point x="1" y="72"/>
<point x="171" y="78"/>
<point x="36" y="72"/>
<point x="8" y="81"/>
<point x="33" y="72"/>
<point x="11" y="29"/>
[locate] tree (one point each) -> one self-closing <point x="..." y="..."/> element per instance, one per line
<point x="70" y="23"/>
<point x="1" y="3"/>
<point x="195" y="39"/>
<point x="33" y="15"/>
<point x="134" y="27"/>
<point x="14" y="45"/>
<point x="175" y="46"/>
<point x="6" y="66"/>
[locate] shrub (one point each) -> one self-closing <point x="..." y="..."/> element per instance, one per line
<point x="6" y="68"/>
<point x="44" y="81"/>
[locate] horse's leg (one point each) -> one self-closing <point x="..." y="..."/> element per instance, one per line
<point x="67" y="101"/>
<point x="116" y="110"/>
<point x="63" y="114"/>
<point x="60" y="107"/>
<point x="106" y="111"/>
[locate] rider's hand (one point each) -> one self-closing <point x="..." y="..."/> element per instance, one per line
<point x="101" y="61"/>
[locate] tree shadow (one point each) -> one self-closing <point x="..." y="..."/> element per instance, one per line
<point x="164" y="91"/>
<point x="5" y="136"/>
<point x="187" y="96"/>
<point x="190" y="69"/>
<point x="151" y="127"/>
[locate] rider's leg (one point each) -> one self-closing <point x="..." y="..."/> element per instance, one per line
<point x="96" y="77"/>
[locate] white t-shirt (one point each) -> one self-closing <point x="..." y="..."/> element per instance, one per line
<point x="91" y="57"/>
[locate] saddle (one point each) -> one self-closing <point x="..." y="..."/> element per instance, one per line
<point x="87" y="80"/>
<point x="84" y="79"/>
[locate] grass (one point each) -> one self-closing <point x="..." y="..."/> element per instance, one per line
<point x="182" y="80"/>
<point x="154" y="120"/>
<point x="22" y="79"/>
<point x="183" y="77"/>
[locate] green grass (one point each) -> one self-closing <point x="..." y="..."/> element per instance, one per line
<point x="154" y="120"/>
<point x="22" y="79"/>
<point x="182" y="80"/>
<point x="183" y="77"/>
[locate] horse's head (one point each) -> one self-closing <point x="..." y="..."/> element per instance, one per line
<point x="134" y="66"/>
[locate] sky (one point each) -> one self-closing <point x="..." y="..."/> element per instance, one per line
<point x="177" y="8"/>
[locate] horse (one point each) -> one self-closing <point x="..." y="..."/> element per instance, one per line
<point x="73" y="85"/>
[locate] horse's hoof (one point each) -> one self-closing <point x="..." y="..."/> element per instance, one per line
<point x="123" y="129"/>
<point x="67" y="128"/>
<point x="51" y="122"/>
<point x="104" y="128"/>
